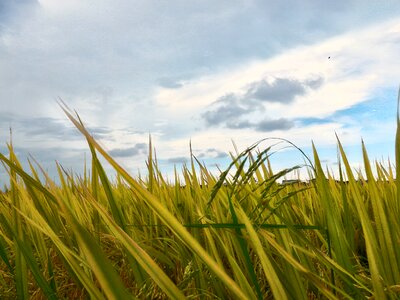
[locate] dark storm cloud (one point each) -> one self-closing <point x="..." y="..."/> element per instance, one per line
<point x="140" y="148"/>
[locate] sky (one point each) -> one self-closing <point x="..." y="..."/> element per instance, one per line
<point x="208" y="73"/>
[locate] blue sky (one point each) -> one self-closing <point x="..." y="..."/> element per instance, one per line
<point x="208" y="72"/>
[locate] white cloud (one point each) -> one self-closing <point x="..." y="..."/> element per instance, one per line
<point x="360" y="62"/>
<point x="110" y="59"/>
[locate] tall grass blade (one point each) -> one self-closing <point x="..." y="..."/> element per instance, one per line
<point x="21" y="270"/>
<point x="371" y="243"/>
<point x="163" y="214"/>
<point x="141" y="256"/>
<point x="109" y="280"/>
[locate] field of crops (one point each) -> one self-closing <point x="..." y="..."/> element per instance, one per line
<point x="235" y="235"/>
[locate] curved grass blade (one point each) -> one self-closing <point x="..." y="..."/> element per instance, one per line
<point x="145" y="261"/>
<point x="382" y="217"/>
<point x="27" y="251"/>
<point x="275" y="283"/>
<point x="107" y="189"/>
<point x="3" y="254"/>
<point x="21" y="270"/>
<point x="70" y="257"/>
<point x="163" y="213"/>
<point x="371" y="243"/>
<point x="109" y="280"/>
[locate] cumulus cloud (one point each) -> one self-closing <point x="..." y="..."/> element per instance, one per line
<point x="314" y="83"/>
<point x="281" y="90"/>
<point x="356" y="70"/>
<point x="226" y="108"/>
<point x="233" y="110"/>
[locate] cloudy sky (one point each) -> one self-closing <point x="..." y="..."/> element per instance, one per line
<point x="208" y="72"/>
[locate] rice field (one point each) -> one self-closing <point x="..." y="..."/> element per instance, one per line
<point x="235" y="235"/>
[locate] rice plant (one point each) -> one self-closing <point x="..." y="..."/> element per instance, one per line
<point x="239" y="234"/>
